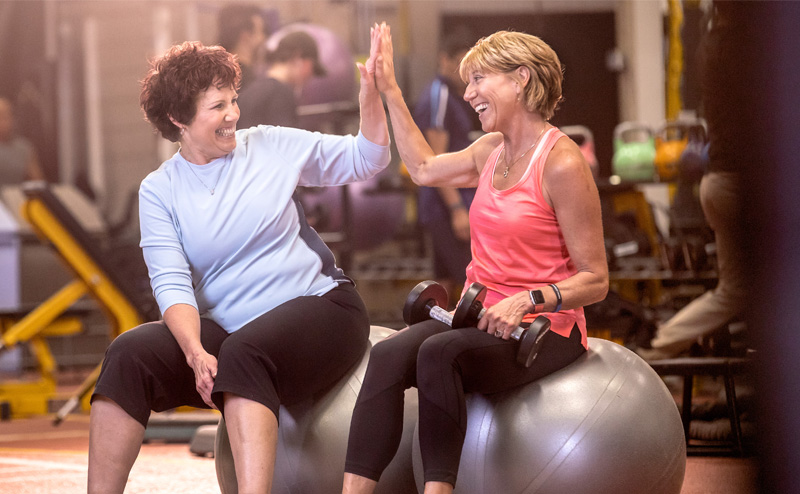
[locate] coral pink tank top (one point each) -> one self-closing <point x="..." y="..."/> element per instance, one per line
<point x="517" y="243"/>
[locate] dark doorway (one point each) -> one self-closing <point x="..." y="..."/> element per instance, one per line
<point x="581" y="41"/>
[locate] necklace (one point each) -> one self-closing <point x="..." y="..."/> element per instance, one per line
<point x="508" y="167"/>
<point x="210" y="189"/>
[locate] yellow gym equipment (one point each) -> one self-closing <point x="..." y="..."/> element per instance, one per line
<point x="53" y="224"/>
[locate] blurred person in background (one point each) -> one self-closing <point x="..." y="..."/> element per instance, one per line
<point x="18" y="160"/>
<point x="271" y="98"/>
<point x="241" y="31"/>
<point x="721" y="188"/>
<point x="447" y="120"/>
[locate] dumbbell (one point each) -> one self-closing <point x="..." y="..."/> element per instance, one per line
<point x="425" y="301"/>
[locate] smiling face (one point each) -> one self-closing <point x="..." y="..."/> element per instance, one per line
<point x="494" y="96"/>
<point x="211" y="133"/>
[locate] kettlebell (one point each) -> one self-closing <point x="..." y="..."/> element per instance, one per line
<point x="671" y="139"/>
<point x="634" y="152"/>
<point x="584" y="138"/>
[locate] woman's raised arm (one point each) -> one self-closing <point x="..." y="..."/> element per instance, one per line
<point x="373" y="117"/>
<point x="459" y="169"/>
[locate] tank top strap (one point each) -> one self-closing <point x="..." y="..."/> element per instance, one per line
<point x="489" y="166"/>
<point x="536" y="165"/>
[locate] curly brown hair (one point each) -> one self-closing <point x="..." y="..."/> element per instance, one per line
<point x="175" y="79"/>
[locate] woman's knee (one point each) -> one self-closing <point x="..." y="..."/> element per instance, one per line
<point x="391" y="365"/>
<point x="395" y="354"/>
<point x="131" y="344"/>
<point x="442" y="348"/>
<point x="437" y="356"/>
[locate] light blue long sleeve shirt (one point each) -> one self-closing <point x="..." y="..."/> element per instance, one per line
<point x="245" y="249"/>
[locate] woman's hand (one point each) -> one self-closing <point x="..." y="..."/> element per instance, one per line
<point x="373" y="116"/>
<point x="504" y="317"/>
<point x="367" y="69"/>
<point x="204" y="366"/>
<point x="384" y="63"/>
<point x="183" y="322"/>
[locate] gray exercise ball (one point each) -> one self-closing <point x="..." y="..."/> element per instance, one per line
<point x="312" y="441"/>
<point x="604" y="424"/>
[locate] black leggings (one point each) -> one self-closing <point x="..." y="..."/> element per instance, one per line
<point x="284" y="356"/>
<point x="443" y="364"/>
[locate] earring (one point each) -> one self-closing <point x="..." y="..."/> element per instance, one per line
<point x="183" y="129"/>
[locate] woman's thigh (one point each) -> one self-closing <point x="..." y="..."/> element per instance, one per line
<point x="394" y="359"/>
<point x="145" y="369"/>
<point x="487" y="364"/>
<point x="303" y="346"/>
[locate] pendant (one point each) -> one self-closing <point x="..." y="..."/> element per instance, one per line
<point x="505" y="174"/>
<point x="212" y="192"/>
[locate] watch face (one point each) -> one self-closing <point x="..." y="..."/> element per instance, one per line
<point x="538" y="297"/>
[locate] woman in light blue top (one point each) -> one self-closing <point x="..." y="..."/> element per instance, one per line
<point x="255" y="311"/>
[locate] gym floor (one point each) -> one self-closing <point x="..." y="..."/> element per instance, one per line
<point x="37" y="457"/>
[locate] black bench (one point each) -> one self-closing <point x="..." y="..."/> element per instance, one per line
<point x="689" y="367"/>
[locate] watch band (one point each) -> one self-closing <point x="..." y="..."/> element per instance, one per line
<point x="558" y="297"/>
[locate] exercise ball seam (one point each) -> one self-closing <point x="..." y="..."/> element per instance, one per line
<point x="606" y="399"/>
<point x="485" y="431"/>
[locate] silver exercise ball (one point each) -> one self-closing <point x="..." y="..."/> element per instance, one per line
<point x="604" y="424"/>
<point x="312" y="441"/>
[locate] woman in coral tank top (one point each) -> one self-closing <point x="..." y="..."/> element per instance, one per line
<point x="537" y="245"/>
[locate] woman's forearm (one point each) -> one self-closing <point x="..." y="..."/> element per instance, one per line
<point x="373" y="117"/>
<point x="414" y="150"/>
<point x="183" y="321"/>
<point x="582" y="289"/>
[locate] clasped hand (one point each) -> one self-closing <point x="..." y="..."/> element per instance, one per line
<point x="204" y="366"/>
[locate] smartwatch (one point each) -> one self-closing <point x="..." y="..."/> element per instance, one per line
<point x="537" y="299"/>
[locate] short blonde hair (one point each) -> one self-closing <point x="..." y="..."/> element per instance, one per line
<point x="505" y="51"/>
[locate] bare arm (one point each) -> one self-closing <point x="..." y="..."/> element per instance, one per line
<point x="425" y="166"/>
<point x="183" y="322"/>
<point x="569" y="188"/>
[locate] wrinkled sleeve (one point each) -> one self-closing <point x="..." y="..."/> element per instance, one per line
<point x="326" y="160"/>
<point x="167" y="265"/>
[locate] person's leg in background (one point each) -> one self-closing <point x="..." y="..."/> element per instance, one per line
<point x="451" y="255"/>
<point x="721" y="201"/>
